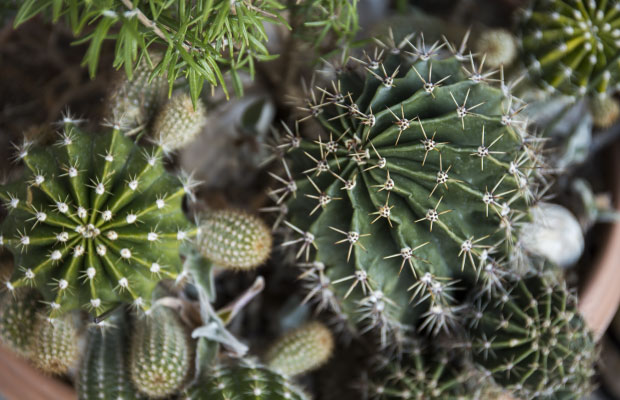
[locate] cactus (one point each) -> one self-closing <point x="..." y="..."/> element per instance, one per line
<point x="531" y="339"/>
<point x="179" y="122"/>
<point x="605" y="111"/>
<point x="18" y="316"/>
<point x="572" y="45"/>
<point x="234" y="239"/>
<point x="55" y="347"/>
<point x="421" y="173"/>
<point x="104" y="373"/>
<point x="160" y="353"/>
<point x="96" y="220"/>
<point x="246" y="381"/>
<point x="305" y="349"/>
<point x="498" y="47"/>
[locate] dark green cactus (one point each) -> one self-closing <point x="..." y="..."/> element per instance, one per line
<point x="18" y="315"/>
<point x="55" y="346"/>
<point x="246" y="381"/>
<point x="531" y="339"/>
<point x="160" y="357"/>
<point x="94" y="221"/>
<point x="418" y="179"/>
<point x="572" y="45"/>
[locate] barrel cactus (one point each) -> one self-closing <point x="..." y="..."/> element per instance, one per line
<point x="531" y="339"/>
<point x="418" y="179"/>
<point x="94" y="221"/>
<point x="572" y="45"/>
<point x="55" y="347"/>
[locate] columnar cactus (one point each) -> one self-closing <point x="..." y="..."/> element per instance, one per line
<point x="532" y="340"/>
<point x="418" y="179"/>
<point x="160" y="353"/>
<point x="179" y="122"/>
<point x="572" y="45"/>
<point x="94" y="221"/>
<point x="301" y="350"/>
<point x="18" y="315"/>
<point x="234" y="239"/>
<point x="246" y="381"/>
<point x="55" y="347"/>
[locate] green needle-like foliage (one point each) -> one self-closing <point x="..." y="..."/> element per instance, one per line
<point x="532" y="340"/>
<point x="418" y="179"/>
<point x="18" y="315"/>
<point x="245" y="381"/>
<point x="572" y="45"/>
<point x="94" y="221"/>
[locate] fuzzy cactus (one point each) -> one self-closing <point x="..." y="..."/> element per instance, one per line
<point x="179" y="122"/>
<point x="103" y="373"/>
<point x="94" y="221"/>
<point x="302" y="350"/>
<point x="55" y="347"/>
<point x="246" y="381"/>
<point x="531" y="339"/>
<point x="498" y="46"/>
<point x="605" y="111"/>
<point x="160" y="356"/>
<point x="18" y="315"/>
<point x="234" y="239"/>
<point x="419" y="177"/>
<point x="572" y="45"/>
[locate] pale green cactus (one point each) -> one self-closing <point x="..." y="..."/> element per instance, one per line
<point x="179" y="122"/>
<point x="55" y="345"/>
<point x="18" y="315"/>
<point x="497" y="46"/>
<point x="605" y="111"/>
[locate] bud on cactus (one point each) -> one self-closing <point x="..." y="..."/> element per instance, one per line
<point x="245" y="382"/>
<point x="55" y="347"/>
<point x="160" y="353"/>
<point x="178" y="122"/>
<point x="305" y="349"/>
<point x="18" y="315"/>
<point x="572" y="45"/>
<point x="532" y="340"/>
<point x="497" y="46"/>
<point x="104" y="373"/>
<point x="235" y="239"/>
<point x="96" y="220"/>
<point x="605" y="110"/>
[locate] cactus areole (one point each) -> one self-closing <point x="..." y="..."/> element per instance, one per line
<point x="94" y="221"/>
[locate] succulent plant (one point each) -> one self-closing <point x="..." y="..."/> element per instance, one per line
<point x="55" y="347"/>
<point x="234" y="239"/>
<point x="418" y="179"/>
<point x="304" y="349"/>
<point x="531" y="339"/>
<point x="94" y="221"/>
<point x="498" y="46"/>
<point x="18" y="315"/>
<point x="160" y="356"/>
<point x="605" y="111"/>
<point x="178" y="122"/>
<point x="572" y="45"/>
<point x="245" y="381"/>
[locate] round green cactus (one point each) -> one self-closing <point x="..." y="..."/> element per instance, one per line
<point x="572" y="45"/>
<point x="245" y="381"/>
<point x="160" y="353"/>
<point x="55" y="347"/>
<point x="18" y="315"/>
<point x="498" y="46"/>
<point x="94" y="221"/>
<point x="418" y="179"/>
<point x="302" y="350"/>
<point x="234" y="239"/>
<point x="531" y="339"/>
<point x="179" y="122"/>
<point x="605" y="111"/>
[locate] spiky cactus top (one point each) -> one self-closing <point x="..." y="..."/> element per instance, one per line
<point x="95" y="220"/>
<point x="573" y="45"/>
<point x="418" y="178"/>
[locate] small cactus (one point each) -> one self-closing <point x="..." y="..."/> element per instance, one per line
<point x="572" y="45"/>
<point x="160" y="353"/>
<point x="532" y="340"/>
<point x="234" y="239"/>
<point x="246" y="381"/>
<point x="55" y="347"/>
<point x="179" y="122"/>
<point x="498" y="46"/>
<point x="305" y="349"/>
<point x="18" y="315"/>
<point x="96" y="220"/>
<point x="605" y="110"/>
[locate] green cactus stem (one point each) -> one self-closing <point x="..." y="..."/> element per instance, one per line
<point x="18" y="316"/>
<point x="94" y="221"/>
<point x="179" y="122"/>
<point x="55" y="347"/>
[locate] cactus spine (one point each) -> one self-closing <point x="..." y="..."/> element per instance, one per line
<point x="18" y="316"/>
<point x="305" y="349"/>
<point x="55" y="347"/>
<point x="179" y="122"/>
<point x="160" y="353"/>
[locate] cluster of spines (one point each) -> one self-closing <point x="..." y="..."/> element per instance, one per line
<point x="84" y="220"/>
<point x="178" y="122"/>
<point x="55" y="347"/>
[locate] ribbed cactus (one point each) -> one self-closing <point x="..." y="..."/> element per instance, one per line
<point x="532" y="340"/>
<point x="304" y="349"/>
<point x="18" y="315"/>
<point x="160" y="357"/>
<point x="234" y="239"/>
<point x="55" y="347"/>
<point x="178" y="122"/>
<point x="94" y="221"/>
<point x="418" y="179"/>
<point x="245" y="381"/>
<point x="103" y="373"/>
<point x="572" y="45"/>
